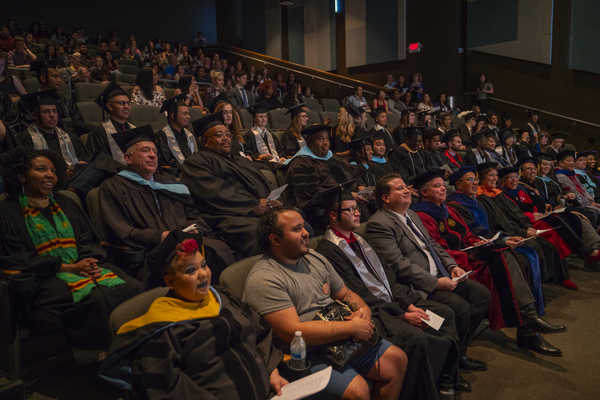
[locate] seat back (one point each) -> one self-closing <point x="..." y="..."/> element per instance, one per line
<point x="169" y="93"/>
<point x="127" y="89"/>
<point x="361" y="229"/>
<point x="312" y="105"/>
<point x="195" y="113"/>
<point x="370" y="122"/>
<point x="246" y="118"/>
<point x="333" y="116"/>
<point x="128" y="62"/>
<point x="72" y="196"/>
<point x="392" y="120"/>
<point x="91" y="112"/>
<point x="83" y="139"/>
<point x="313" y="242"/>
<point x="134" y="308"/>
<point x="278" y="119"/>
<point x="88" y="91"/>
<point x="129" y="69"/>
<point x="93" y="208"/>
<point x="570" y="146"/>
<point x="31" y="85"/>
<point x="313" y="118"/>
<point x="234" y="276"/>
<point x="145" y="114"/>
<point x="126" y="78"/>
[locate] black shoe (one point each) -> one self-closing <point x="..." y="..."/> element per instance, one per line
<point x="538" y="344"/>
<point x="470" y="364"/>
<point x="593" y="267"/>
<point x="462" y="384"/>
<point x="533" y="321"/>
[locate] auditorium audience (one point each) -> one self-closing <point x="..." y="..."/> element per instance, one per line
<point x="379" y="101"/>
<point x="394" y="104"/>
<point x="9" y="84"/>
<point x="292" y="140"/>
<point x="218" y="80"/>
<point x="241" y="96"/>
<point x="7" y="43"/>
<point x="426" y="104"/>
<point x="390" y="82"/>
<point x="279" y="86"/>
<point x="99" y="72"/>
<point x="416" y="87"/>
<point x="146" y="90"/>
<point x="558" y="143"/>
<point x="349" y="119"/>
<point x="442" y="103"/>
<point x="483" y="91"/>
<point x="187" y="84"/>
<point x="262" y="145"/>
<point x="111" y="64"/>
<point x="20" y="55"/>
<point x="294" y="96"/>
<point x="358" y="100"/>
<point x="265" y="93"/>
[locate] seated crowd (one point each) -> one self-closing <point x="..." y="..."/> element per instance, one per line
<point x="430" y="217"/>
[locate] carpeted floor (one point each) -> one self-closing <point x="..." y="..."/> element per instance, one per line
<point x="512" y="373"/>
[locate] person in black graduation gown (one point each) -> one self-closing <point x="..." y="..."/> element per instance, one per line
<point x="407" y="119"/>
<point x="467" y="129"/>
<point x="362" y="164"/>
<point x="349" y="120"/>
<point x="262" y="145"/>
<point x="140" y="207"/>
<point x="292" y="140"/>
<point x="8" y="113"/>
<point x="71" y="118"/>
<point x="30" y="177"/>
<point x="230" y="191"/>
<point x="409" y="158"/>
<point x="396" y="309"/>
<point x="380" y="116"/>
<point x="313" y="170"/>
<point x="431" y="143"/>
<point x="524" y="149"/>
<point x="450" y="155"/>
<point x="379" y="163"/>
<point x="44" y="133"/>
<point x="477" y="154"/>
<point x="175" y="142"/>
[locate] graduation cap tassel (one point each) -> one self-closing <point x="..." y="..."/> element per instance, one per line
<point x="339" y="211"/>
<point x="102" y="100"/>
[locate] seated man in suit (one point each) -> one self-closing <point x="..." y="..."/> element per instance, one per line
<point x="229" y="189"/>
<point x="140" y="207"/>
<point x="396" y="309"/>
<point x="291" y="283"/>
<point x="403" y="244"/>
<point x="240" y="97"/>
<point x="176" y="143"/>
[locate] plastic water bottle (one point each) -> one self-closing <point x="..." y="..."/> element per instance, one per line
<point x="298" y="352"/>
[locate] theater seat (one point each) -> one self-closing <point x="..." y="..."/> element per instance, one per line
<point x="91" y="112"/>
<point x="129" y="69"/>
<point x="126" y="78"/>
<point x="88" y="91"/>
<point x="370" y="121"/>
<point x="314" y="241"/>
<point x="133" y="308"/>
<point x="234" y="276"/>
<point x="169" y="93"/>
<point x="278" y="134"/>
<point x="392" y="120"/>
<point x="333" y="115"/>
<point x="31" y="85"/>
<point x="313" y="118"/>
<point x="330" y="105"/>
<point x="195" y="113"/>
<point x="270" y="176"/>
<point x="128" y="62"/>
<point x="143" y="115"/>
<point x="278" y="119"/>
<point x="127" y="89"/>
<point x="246" y="119"/>
<point x="313" y="105"/>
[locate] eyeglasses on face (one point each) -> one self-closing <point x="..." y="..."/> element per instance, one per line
<point x="122" y="103"/>
<point x="470" y="180"/>
<point x="351" y="210"/>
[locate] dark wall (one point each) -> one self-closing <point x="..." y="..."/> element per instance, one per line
<point x="555" y="88"/>
<point x="144" y="19"/>
<point x="440" y="27"/>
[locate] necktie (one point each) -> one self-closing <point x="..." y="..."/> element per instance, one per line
<point x="124" y="127"/>
<point x="266" y="140"/>
<point x="244" y="98"/>
<point x="436" y="259"/>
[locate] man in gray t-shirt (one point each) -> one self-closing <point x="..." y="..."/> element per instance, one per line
<point x="291" y="283"/>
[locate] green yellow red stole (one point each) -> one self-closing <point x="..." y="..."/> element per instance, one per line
<point x="60" y="242"/>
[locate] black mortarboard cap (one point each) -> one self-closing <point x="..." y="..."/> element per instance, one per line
<point x="222" y="98"/>
<point x="362" y="137"/>
<point x="560" y="135"/>
<point x="408" y="110"/>
<point x="259" y="108"/>
<point x="354" y="111"/>
<point x="425" y="177"/>
<point x="295" y="110"/>
<point x="502" y="172"/>
<point x="43" y="65"/>
<point x="483" y="166"/>
<point x="476" y="137"/>
<point x="336" y="194"/>
<point x="469" y="116"/>
<point x="564" y="154"/>
<point x="587" y="153"/>
<point x="505" y="133"/>
<point x="130" y="137"/>
<point x="107" y="94"/>
<point x="481" y="118"/>
<point x="525" y="128"/>
<point x="506" y="117"/>
<point x="532" y="112"/>
<point x="454" y="177"/>
<point x="46" y="97"/>
<point x="488" y="133"/>
<point x="377" y="111"/>
<point x="580" y="154"/>
<point x="414" y="130"/>
<point x="203" y="124"/>
<point x="167" y="105"/>
<point x="525" y="160"/>
<point x="449" y="135"/>
<point x="544" y="156"/>
<point x="314" y="129"/>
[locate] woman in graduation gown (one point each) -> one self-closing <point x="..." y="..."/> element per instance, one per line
<point x="407" y="119"/>
<point x="47" y="235"/>
<point x="493" y="201"/>
<point x="499" y="269"/>
<point x="197" y="342"/>
<point x="262" y="145"/>
<point x="293" y="140"/>
<point x="349" y="119"/>
<point x="379" y="164"/>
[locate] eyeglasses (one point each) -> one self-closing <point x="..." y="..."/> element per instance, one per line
<point x="351" y="210"/>
<point x="471" y="180"/>
<point x="222" y="135"/>
<point x="122" y="103"/>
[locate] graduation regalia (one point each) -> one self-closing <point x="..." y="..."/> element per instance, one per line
<point x="429" y="353"/>
<point x="381" y="166"/>
<point x="409" y="162"/>
<point x="206" y="351"/>
<point x="290" y="144"/>
<point x="51" y="304"/>
<point x="174" y="147"/>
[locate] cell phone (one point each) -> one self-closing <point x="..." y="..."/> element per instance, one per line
<point x="458" y="278"/>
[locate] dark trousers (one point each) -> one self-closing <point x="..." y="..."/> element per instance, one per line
<point x="470" y="302"/>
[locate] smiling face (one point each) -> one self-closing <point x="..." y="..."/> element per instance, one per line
<point x="468" y="184"/>
<point x="490" y="179"/>
<point x="435" y="191"/>
<point x="399" y="197"/>
<point x="529" y="171"/>
<point x="183" y="116"/>
<point x="218" y="140"/>
<point x="490" y="143"/>
<point x="294" y="242"/>
<point x="591" y="161"/>
<point x="378" y="147"/>
<point x="381" y="119"/>
<point x="119" y="107"/>
<point x="567" y="163"/>
<point x="511" y="181"/>
<point x="455" y="144"/>
<point x="319" y="143"/>
<point x="302" y="119"/>
<point x="190" y="278"/>
<point x="142" y="158"/>
<point x="545" y="167"/>
<point x="40" y="179"/>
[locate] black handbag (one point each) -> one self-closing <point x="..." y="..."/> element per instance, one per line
<point x="339" y="353"/>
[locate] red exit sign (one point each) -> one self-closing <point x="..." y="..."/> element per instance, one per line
<point x="414" y="47"/>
